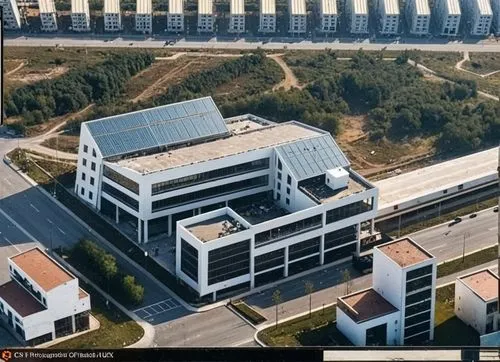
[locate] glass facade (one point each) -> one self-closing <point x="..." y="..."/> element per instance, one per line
<point x="418" y="297"/>
<point x="63" y="326"/>
<point x="287" y="230"/>
<point x="419" y="318"/>
<point x="269" y="260"/>
<point x="339" y="253"/>
<point x="349" y="210"/>
<point x="228" y="262"/>
<point x="302" y="265"/>
<point x="212" y="175"/>
<point x="419" y="283"/>
<point x="340" y="236"/>
<point x="120" y="196"/>
<point x="419" y="328"/>
<point x="417" y="308"/>
<point x="303" y="249"/>
<point x="121" y="180"/>
<point x="210" y="193"/>
<point x="491" y="307"/>
<point x="189" y="260"/>
<point x="417" y="273"/>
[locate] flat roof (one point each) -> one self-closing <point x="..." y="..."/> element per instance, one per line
<point x="297" y="7"/>
<point x="215" y="228"/>
<point x="111" y="6"/>
<point x="243" y="125"/>
<point x="365" y="305"/>
<point x="260" y="210"/>
<point x="176" y="6"/>
<point x="422" y="7"/>
<point x="41" y="268"/>
<point x="391" y="7"/>
<point x="483" y="283"/>
<point x="240" y="143"/>
<point x="324" y="193"/>
<point x="405" y="252"/>
<point x="453" y="7"/>
<point x="444" y="175"/>
<point x="484" y="7"/>
<point x="18" y="298"/>
<point x="82" y="293"/>
<point x="144" y="7"/>
<point x="328" y="7"/>
<point x="47" y="6"/>
<point x="205" y="7"/>
<point x="79" y="6"/>
<point x="360" y="7"/>
<point x="268" y="7"/>
<point x="237" y="7"/>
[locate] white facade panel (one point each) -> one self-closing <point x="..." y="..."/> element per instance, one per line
<point x="357" y="12"/>
<point x="48" y="15"/>
<point x="111" y="6"/>
<point x="144" y="7"/>
<point x="11" y="16"/>
<point x="175" y="16"/>
<point x="267" y="7"/>
<point x="480" y="16"/>
<point x="80" y="15"/>
<point x="447" y="15"/>
<point x="418" y="16"/>
<point x="469" y="307"/>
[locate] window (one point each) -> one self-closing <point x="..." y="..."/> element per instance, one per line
<point x="279" y="175"/>
<point x="460" y="187"/>
<point x="419" y="328"/>
<point x="349" y="210"/>
<point x="120" y="196"/>
<point x="288" y="190"/>
<point x="417" y="273"/>
<point x="228" y="262"/>
<point x="340" y="237"/>
<point x="92" y="181"/>
<point x="304" y="248"/>
<point x="189" y="260"/>
<point x="278" y="196"/>
<point x="82" y="191"/>
<point x="279" y="185"/>
<point x="289" y="180"/>
<point x="445" y="192"/>
<point x="84" y="162"/>
<point x="92" y="167"/>
<point x="91" y="195"/>
<point x="93" y="152"/>
<point x="63" y="326"/>
<point x="270" y="260"/>
<point x="491" y="307"/>
<point x="396" y="207"/>
<point x="121" y="180"/>
<point x="415" y="284"/>
<point x="418" y="308"/>
<point x="287" y="201"/>
<point x="85" y="148"/>
<point x="83" y="176"/>
<point x="284" y="231"/>
<point x="419" y="318"/>
<point x="418" y="297"/>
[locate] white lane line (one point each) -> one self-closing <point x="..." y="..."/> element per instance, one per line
<point x="33" y="206"/>
<point x="7" y="181"/>
<point x="49" y="221"/>
<point x="494" y="228"/>
<point x="62" y="232"/>
<point x="437" y="247"/>
<point x="19" y="226"/>
<point x="7" y="240"/>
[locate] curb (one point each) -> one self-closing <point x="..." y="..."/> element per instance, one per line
<point x="234" y="311"/>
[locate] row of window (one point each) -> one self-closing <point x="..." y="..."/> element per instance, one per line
<point x="349" y="210"/>
<point x="303" y="249"/>
<point x="121" y="180"/>
<point x="189" y="260"/>
<point x="120" y="196"/>
<point x="417" y="273"/>
<point x="340" y="237"/>
<point x="284" y="231"/>
<point x="221" y="268"/>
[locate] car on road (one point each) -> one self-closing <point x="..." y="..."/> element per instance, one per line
<point x="131" y="44"/>
<point x="495" y="209"/>
<point x="472" y="216"/>
<point x="457" y="219"/>
<point x="363" y="264"/>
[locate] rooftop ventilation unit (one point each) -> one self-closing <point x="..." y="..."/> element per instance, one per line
<point x="337" y="178"/>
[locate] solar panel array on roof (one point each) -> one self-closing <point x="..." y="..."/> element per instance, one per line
<point x="160" y="126"/>
<point x="312" y="157"/>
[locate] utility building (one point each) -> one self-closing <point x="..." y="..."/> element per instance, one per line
<point x="48" y="15"/>
<point x="175" y="16"/>
<point x="267" y="16"/>
<point x="144" y="17"/>
<point x="480" y="16"/>
<point x="80" y="15"/>
<point x="447" y="15"/>
<point x="357" y="16"/>
<point x="297" y="16"/>
<point x="112" y="15"/>
<point x="329" y="16"/>
<point x="279" y="198"/>
<point x="42" y="301"/>
<point x="11" y="16"/>
<point x="389" y="16"/>
<point x="237" y="16"/>
<point x="418" y="16"/>
<point x="206" y="16"/>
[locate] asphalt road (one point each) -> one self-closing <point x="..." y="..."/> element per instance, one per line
<point x="75" y="40"/>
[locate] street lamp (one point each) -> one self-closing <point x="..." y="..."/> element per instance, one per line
<point x="466" y="235"/>
<point x="145" y="258"/>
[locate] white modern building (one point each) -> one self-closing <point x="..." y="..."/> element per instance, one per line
<point x="357" y="16"/>
<point x="175" y="16"/>
<point x="479" y="16"/>
<point x="297" y="13"/>
<point x="328" y="12"/>
<point x="48" y="15"/>
<point x="399" y="308"/>
<point x="80" y="15"/>
<point x="11" y="16"/>
<point x="280" y="198"/>
<point x="42" y="301"/>
<point x="267" y="16"/>
<point x="112" y="15"/>
<point x="206" y="16"/>
<point x="476" y="300"/>
<point x="418" y="16"/>
<point x="144" y="16"/>
<point x="389" y="16"/>
<point x="237" y="16"/>
<point x="447" y="16"/>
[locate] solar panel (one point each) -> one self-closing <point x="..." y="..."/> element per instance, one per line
<point x="160" y="126"/>
<point x="312" y="157"/>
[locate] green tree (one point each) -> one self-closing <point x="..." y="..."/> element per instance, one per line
<point x="277" y="301"/>
<point x="309" y="288"/>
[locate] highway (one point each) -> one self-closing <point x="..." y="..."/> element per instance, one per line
<point x="78" y="40"/>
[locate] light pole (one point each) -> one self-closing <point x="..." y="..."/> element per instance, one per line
<point x="466" y="235"/>
<point x="145" y="259"/>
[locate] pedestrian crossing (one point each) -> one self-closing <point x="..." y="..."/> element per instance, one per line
<point x="157" y="308"/>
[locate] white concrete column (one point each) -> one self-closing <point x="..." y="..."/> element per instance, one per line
<point x="358" y="244"/>
<point x="322" y="249"/>
<point x="372" y="226"/>
<point x="214" y="296"/>
<point x="117" y="214"/>
<point x="73" y="323"/>
<point x="285" y="273"/>
<point x="146" y="236"/>
<point x="252" y="263"/>
<point x="169" y="225"/>
<point x="139" y="231"/>
<point x="194" y="212"/>
<point x="199" y="210"/>
<point x="227" y="203"/>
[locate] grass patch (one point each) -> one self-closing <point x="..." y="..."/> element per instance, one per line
<point x="63" y="143"/>
<point x="483" y="63"/>
<point x="470" y="261"/>
<point x="251" y="314"/>
<point x="117" y="329"/>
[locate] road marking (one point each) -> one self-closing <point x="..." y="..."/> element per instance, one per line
<point x="49" y="221"/>
<point x="437" y="247"/>
<point x="62" y="232"/>
<point x="33" y="206"/>
<point x="7" y="180"/>
<point x="7" y="240"/>
<point x="157" y="308"/>
<point x="19" y="226"/>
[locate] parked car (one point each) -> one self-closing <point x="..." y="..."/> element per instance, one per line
<point x="458" y="219"/>
<point x="472" y="216"/>
<point x="495" y="209"/>
<point x="363" y="264"/>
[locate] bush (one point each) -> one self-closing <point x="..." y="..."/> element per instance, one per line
<point x="132" y="291"/>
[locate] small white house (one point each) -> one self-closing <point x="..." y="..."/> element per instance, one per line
<point x="480" y="16"/>
<point x="42" y="301"/>
<point x="11" y="16"/>
<point x="357" y="12"/>
<point x="297" y="16"/>
<point x="206" y="16"/>
<point x="48" y="16"/>
<point x="267" y="16"/>
<point x="329" y="16"/>
<point x="447" y="15"/>
<point x="80" y="15"/>
<point x="175" y="16"/>
<point x="389" y="16"/>
<point x="476" y="300"/>
<point x="418" y="16"/>
<point x="112" y="15"/>
<point x="237" y="16"/>
<point x="144" y="16"/>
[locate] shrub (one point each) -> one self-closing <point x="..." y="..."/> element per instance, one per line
<point x="132" y="291"/>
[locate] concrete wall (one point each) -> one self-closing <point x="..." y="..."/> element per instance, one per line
<point x="469" y="307"/>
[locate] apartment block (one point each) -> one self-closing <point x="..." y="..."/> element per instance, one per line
<point x="11" y="16"/>
<point x="329" y="16"/>
<point x="206" y="16"/>
<point x="144" y="16"/>
<point x="267" y="16"/>
<point x="80" y="15"/>
<point x="42" y="301"/>
<point x="112" y="15"/>
<point x="418" y="16"/>
<point x="237" y="16"/>
<point x="48" y="15"/>
<point x="447" y="16"/>
<point x="479" y="16"/>
<point x="389" y="16"/>
<point x="175" y="16"/>
<point x="357" y="16"/>
<point x="297" y="16"/>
